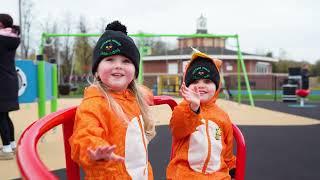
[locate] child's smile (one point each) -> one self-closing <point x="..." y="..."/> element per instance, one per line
<point x="117" y="74"/>
<point x="203" y="92"/>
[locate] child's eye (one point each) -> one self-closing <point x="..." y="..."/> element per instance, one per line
<point x="126" y="61"/>
<point x="195" y="81"/>
<point x="108" y="59"/>
<point x="207" y="81"/>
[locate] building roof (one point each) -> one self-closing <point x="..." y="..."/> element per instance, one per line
<point x="207" y="50"/>
<point x="215" y="52"/>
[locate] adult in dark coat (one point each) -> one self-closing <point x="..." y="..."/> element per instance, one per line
<point x="305" y="76"/>
<point x="8" y="86"/>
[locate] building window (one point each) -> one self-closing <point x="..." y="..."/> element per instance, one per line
<point x="189" y="42"/>
<point x="262" y="67"/>
<point x="173" y="68"/>
<point x="229" y="66"/>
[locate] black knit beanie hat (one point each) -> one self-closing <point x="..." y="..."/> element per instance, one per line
<point x="6" y="20"/>
<point x="115" y="41"/>
<point x="202" y="68"/>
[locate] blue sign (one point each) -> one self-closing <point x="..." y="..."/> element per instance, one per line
<point x="28" y="80"/>
<point x="27" y="77"/>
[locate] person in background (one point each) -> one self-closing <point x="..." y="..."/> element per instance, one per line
<point x="9" y="42"/>
<point x="305" y="76"/>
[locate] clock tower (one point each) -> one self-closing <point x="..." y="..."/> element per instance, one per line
<point x="202" y="25"/>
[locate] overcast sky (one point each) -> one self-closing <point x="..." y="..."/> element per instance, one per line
<point x="291" y="25"/>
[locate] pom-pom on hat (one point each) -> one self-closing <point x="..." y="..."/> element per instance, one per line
<point x="115" y="41"/>
<point x="202" y="67"/>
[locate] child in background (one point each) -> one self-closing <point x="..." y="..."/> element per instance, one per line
<point x="202" y="132"/>
<point x="112" y="125"/>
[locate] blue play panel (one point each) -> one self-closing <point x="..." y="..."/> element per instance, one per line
<point x="28" y="80"/>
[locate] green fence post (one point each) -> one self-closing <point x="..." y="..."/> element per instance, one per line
<point x="54" y="99"/>
<point x="43" y="39"/>
<point x="41" y="87"/>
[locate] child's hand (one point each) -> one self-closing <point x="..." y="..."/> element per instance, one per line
<point x="192" y="96"/>
<point x="104" y="153"/>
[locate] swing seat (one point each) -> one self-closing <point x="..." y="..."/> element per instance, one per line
<point x="31" y="166"/>
<point x="73" y="87"/>
<point x="65" y="89"/>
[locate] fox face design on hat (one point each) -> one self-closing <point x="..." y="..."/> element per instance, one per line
<point x="202" y="66"/>
<point x="115" y="41"/>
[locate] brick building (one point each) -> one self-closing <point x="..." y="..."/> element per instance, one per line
<point x="168" y="68"/>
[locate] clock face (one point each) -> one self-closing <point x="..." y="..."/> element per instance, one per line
<point x="202" y="23"/>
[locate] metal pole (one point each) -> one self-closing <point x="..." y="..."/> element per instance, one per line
<point x="54" y="100"/>
<point x="238" y="74"/>
<point x="144" y="35"/>
<point x="142" y="54"/>
<point x="43" y="39"/>
<point x="244" y="73"/>
<point x="275" y="87"/>
<point x="41" y="87"/>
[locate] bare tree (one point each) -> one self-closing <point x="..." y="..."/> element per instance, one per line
<point x="27" y="18"/>
<point x="157" y="45"/>
<point x="102" y="25"/>
<point x="315" y="69"/>
<point x="83" y="50"/>
<point x="282" y="54"/>
<point x="67" y="50"/>
<point x="52" y="44"/>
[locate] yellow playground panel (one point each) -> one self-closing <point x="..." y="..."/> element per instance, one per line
<point x="169" y="84"/>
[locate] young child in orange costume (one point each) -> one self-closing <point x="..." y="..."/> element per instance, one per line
<point x="112" y="124"/>
<point x="201" y="130"/>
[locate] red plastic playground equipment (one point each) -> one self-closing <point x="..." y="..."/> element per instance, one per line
<point x="31" y="167"/>
<point x="302" y="93"/>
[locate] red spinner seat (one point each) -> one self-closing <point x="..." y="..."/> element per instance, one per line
<point x="31" y="166"/>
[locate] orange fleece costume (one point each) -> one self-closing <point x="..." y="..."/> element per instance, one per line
<point x="96" y="124"/>
<point x="203" y="142"/>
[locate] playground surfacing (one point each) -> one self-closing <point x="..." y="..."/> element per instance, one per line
<point x="279" y="145"/>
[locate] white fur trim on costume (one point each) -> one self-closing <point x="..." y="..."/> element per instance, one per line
<point x="198" y="148"/>
<point x="135" y="152"/>
<point x="216" y="148"/>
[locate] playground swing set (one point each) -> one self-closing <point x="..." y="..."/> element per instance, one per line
<point x="241" y="68"/>
<point x="29" y="163"/>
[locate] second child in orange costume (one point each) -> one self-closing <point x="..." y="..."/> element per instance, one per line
<point x="112" y="125"/>
<point x="202" y="132"/>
